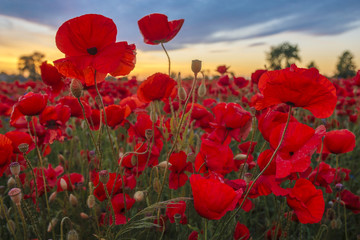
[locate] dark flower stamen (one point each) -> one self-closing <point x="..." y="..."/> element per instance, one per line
<point x="92" y="51"/>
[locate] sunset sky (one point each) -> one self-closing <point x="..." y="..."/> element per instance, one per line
<point x="236" y="33"/>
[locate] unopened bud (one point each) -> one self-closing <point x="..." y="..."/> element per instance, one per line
<point x="2" y="189"/>
<point x="90" y="201"/>
<point x="153" y="116"/>
<point x="240" y="156"/>
<point x="11" y="225"/>
<point x="69" y="131"/>
<point x="63" y="184"/>
<point x="76" y="88"/>
<point x="191" y="157"/>
<point x="247" y="177"/>
<point x="72" y="235"/>
<point x="156" y="185"/>
<point x="104" y="176"/>
<point x="202" y="90"/>
<point x="134" y="160"/>
<point x="15" y="168"/>
<point x="52" y="197"/>
<point x="148" y="134"/>
<point x="3" y="211"/>
<point x="15" y="195"/>
<point x="23" y="147"/>
<point x="84" y="215"/>
<point x="11" y="182"/>
<point x="163" y="164"/>
<point x="98" y="100"/>
<point x="73" y="200"/>
<point x="52" y="224"/>
<point x="139" y="196"/>
<point x="196" y="66"/>
<point x="182" y="94"/>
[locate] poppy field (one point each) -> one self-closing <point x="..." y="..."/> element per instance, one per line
<point x="90" y="152"/>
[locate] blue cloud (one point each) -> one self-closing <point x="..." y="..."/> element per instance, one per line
<point x="206" y="21"/>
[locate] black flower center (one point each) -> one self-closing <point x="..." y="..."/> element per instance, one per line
<point x="92" y="51"/>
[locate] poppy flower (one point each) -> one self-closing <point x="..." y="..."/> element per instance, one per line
<point x="116" y="114"/>
<point x="32" y="103"/>
<point x="75" y="107"/>
<point x="51" y="77"/>
<point x="99" y="191"/>
<point x="55" y="116"/>
<point x="213" y="198"/>
<point x="241" y="232"/>
<point x="255" y="76"/>
<point x="240" y="82"/>
<point x="156" y="28"/>
<point x="177" y="176"/>
<point x="324" y="175"/>
<point x="222" y="69"/>
<point x="351" y="201"/>
<point x="176" y="208"/>
<point x="339" y="141"/>
<point x="224" y="81"/>
<point x="158" y="86"/>
<point x="18" y="138"/>
<point x="118" y="205"/>
<point x="76" y="179"/>
<point x="306" y="201"/>
<point x="298" y="87"/>
<point x="88" y="43"/>
<point x="6" y="151"/>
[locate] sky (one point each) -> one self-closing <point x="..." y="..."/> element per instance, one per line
<point x="236" y="33"/>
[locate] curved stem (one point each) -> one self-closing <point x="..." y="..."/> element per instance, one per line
<point x="168" y="57"/>
<point x="61" y="227"/>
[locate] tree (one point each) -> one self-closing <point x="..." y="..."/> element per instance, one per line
<point x="283" y="55"/>
<point x="28" y="65"/>
<point x="312" y="64"/>
<point x="345" y="67"/>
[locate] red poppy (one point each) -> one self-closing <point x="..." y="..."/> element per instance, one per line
<point x="213" y="198"/>
<point x="224" y="81"/>
<point x="255" y="76"/>
<point x="222" y="69"/>
<point x="51" y="77"/>
<point x="6" y="151"/>
<point x="241" y="232"/>
<point x="156" y="28"/>
<point x="32" y="103"/>
<point x="94" y="119"/>
<point x="306" y="201"/>
<point x="18" y="138"/>
<point x="99" y="191"/>
<point x="116" y="114"/>
<point x="324" y="175"/>
<point x="351" y="201"/>
<point x="240" y="82"/>
<point x="75" y="107"/>
<point x="176" y="208"/>
<point x="55" y="116"/>
<point x="88" y="43"/>
<point x="339" y="141"/>
<point x="158" y="86"/>
<point x="118" y="205"/>
<point x="177" y="176"/>
<point x="299" y="87"/>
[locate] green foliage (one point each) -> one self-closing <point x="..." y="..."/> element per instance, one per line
<point x="283" y="55"/>
<point x="345" y="68"/>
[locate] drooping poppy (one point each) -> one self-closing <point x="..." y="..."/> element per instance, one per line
<point x="156" y="28"/>
<point x="306" y="201"/>
<point x="32" y="103"/>
<point x="88" y="43"/>
<point x="298" y="87"/>
<point x="158" y="86"/>
<point x="176" y="208"/>
<point x="213" y="198"/>
<point x="339" y="141"/>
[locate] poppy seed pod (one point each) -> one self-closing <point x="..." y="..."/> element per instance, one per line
<point x="15" y="195"/>
<point x="76" y="88"/>
<point x="15" y="168"/>
<point x="196" y="66"/>
<point x="247" y="177"/>
<point x="72" y="235"/>
<point x="23" y="147"/>
<point x="104" y="176"/>
<point x="73" y="200"/>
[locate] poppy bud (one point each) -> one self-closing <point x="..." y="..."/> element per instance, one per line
<point x="156" y="185"/>
<point x="52" y="224"/>
<point x="202" y="89"/>
<point x="98" y="100"/>
<point x="72" y="235"/>
<point x="196" y="66"/>
<point x="11" y="225"/>
<point x="91" y="201"/>
<point x="69" y="131"/>
<point x="84" y="215"/>
<point x="240" y="156"/>
<point x="15" y="168"/>
<point x="191" y="157"/>
<point x="15" y="195"/>
<point x="3" y="211"/>
<point x="163" y="164"/>
<point x="247" y="177"/>
<point x="11" y="182"/>
<point x="134" y="160"/>
<point x="73" y="200"/>
<point x="139" y="196"/>
<point x="63" y="184"/>
<point x="330" y="213"/>
<point x="23" y="147"/>
<point x="52" y="197"/>
<point x="76" y="88"/>
<point x="61" y="158"/>
<point x="153" y="116"/>
<point x="148" y="134"/>
<point x="182" y="93"/>
<point x="104" y="176"/>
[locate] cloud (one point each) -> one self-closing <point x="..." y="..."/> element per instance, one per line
<point x="206" y="21"/>
<point x="257" y="44"/>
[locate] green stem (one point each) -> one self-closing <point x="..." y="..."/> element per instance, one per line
<point x="168" y="57"/>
